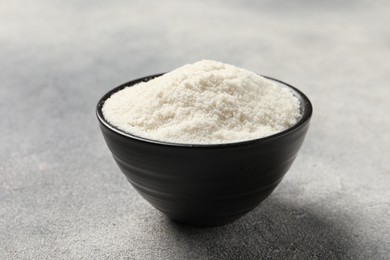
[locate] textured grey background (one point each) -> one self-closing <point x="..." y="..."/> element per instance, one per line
<point x="61" y="194"/>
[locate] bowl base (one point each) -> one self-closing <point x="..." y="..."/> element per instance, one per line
<point x="206" y="222"/>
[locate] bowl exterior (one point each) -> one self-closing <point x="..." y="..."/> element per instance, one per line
<point x="203" y="185"/>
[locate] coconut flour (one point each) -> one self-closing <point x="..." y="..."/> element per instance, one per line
<point x="207" y="102"/>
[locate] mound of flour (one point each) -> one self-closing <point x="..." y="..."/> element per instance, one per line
<point x="207" y="102"/>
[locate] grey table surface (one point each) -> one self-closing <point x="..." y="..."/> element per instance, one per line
<point x="63" y="197"/>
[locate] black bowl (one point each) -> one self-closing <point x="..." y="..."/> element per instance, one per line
<point x="205" y="185"/>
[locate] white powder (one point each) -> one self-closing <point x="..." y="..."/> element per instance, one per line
<point x="207" y="102"/>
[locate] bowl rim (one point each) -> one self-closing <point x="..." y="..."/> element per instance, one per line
<point x="306" y="109"/>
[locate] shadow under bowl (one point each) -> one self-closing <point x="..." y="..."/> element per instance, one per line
<point x="205" y="185"/>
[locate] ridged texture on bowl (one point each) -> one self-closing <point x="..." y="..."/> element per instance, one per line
<point x="206" y="185"/>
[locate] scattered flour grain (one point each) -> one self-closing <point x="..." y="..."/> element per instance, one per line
<point x="207" y="102"/>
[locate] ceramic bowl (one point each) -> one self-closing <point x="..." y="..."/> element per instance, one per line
<point x="205" y="185"/>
